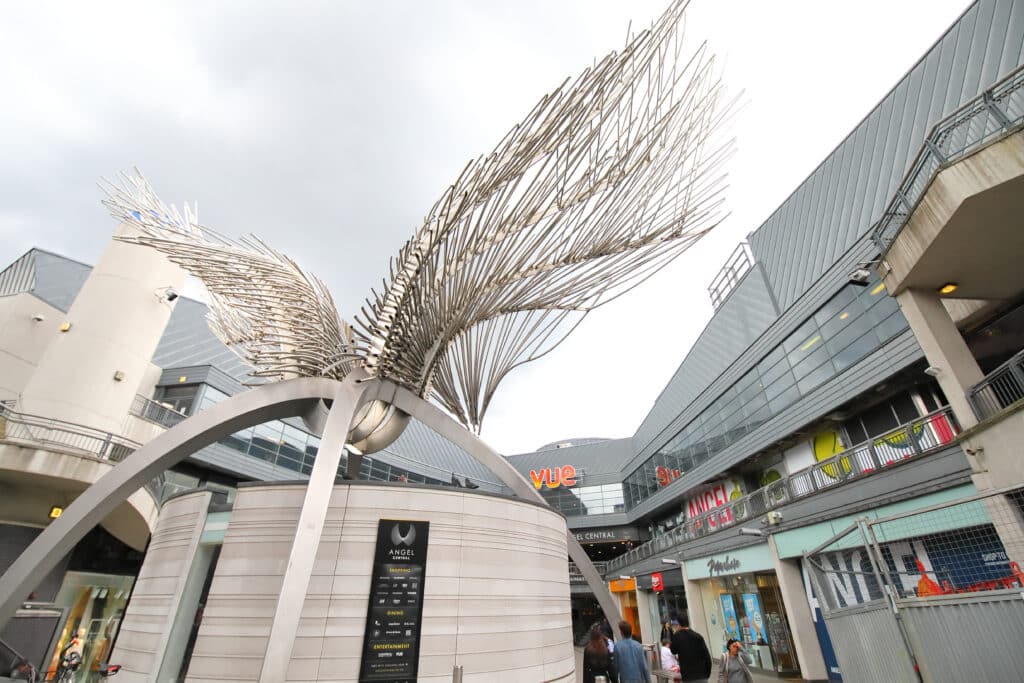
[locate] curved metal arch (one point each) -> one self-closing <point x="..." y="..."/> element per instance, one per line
<point x="448" y="428"/>
<point x="262" y="404"/>
<point x="268" y="402"/>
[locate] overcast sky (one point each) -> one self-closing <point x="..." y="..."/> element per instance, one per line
<point x="330" y="128"/>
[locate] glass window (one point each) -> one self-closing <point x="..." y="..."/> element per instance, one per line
<point x="891" y="326"/>
<point x="815" y="377"/>
<point x="770" y="375"/>
<point x="859" y="348"/>
<point x="799" y="337"/>
<point x="812" y="362"/>
<point x="783" y="400"/>
<point x="836" y="306"/>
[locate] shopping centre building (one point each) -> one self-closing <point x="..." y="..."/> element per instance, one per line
<point x="864" y="359"/>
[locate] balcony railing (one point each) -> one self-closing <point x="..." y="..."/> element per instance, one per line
<point x="1001" y="388"/>
<point x="996" y="113"/>
<point x="576" y="577"/>
<point x="43" y="432"/>
<point x="924" y="435"/>
<point x="155" y="412"/>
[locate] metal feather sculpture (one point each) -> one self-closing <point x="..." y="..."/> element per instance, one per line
<point x="605" y="181"/>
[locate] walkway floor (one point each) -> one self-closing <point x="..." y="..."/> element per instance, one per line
<point x="758" y="677"/>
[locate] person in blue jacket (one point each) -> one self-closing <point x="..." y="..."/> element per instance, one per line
<point x="629" y="657"/>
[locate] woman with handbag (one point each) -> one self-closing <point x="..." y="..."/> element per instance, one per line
<point x="734" y="666"/>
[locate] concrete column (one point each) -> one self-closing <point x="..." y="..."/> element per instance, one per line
<point x="694" y="603"/>
<point x="646" y="616"/>
<point x="944" y="347"/>
<point x="90" y="373"/>
<point x="798" y="614"/>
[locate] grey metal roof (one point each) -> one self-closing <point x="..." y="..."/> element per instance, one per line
<point x="53" y="278"/>
<point x="602" y="460"/>
<point x="188" y="341"/>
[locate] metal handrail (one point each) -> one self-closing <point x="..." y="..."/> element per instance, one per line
<point x="1001" y="388"/>
<point x="155" y="412"/>
<point x="917" y="437"/>
<point x="23" y="428"/>
<point x="989" y="117"/>
<point x="576" y="576"/>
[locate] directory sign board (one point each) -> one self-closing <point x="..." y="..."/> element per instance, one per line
<point x="391" y="640"/>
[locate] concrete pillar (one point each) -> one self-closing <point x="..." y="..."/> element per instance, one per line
<point x="647" y="616"/>
<point x="694" y="603"/>
<point x="944" y="347"/>
<point x="90" y="373"/>
<point x="798" y="613"/>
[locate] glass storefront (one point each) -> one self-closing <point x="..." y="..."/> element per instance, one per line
<point x="94" y="604"/>
<point x="749" y="607"/>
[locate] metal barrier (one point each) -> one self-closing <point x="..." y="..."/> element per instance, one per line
<point x="1001" y="388"/>
<point x="996" y="113"/>
<point x="32" y="430"/>
<point x="934" y="590"/>
<point x="51" y="433"/>
<point x="155" y="412"/>
<point x="924" y="435"/>
<point x="576" y="576"/>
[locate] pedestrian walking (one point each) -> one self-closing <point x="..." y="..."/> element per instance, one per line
<point x="630" y="658"/>
<point x="734" y="665"/>
<point x="597" y="659"/>
<point x="690" y="649"/>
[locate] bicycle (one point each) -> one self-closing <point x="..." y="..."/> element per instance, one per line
<point x="70" y="661"/>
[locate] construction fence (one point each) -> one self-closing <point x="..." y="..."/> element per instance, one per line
<point x="933" y="595"/>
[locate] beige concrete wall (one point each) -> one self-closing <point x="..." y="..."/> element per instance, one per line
<point x="32" y="480"/>
<point x="496" y="594"/>
<point x="153" y="606"/>
<point x="116" y="322"/>
<point x="23" y="340"/>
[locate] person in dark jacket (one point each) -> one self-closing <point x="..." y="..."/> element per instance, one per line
<point x="690" y="649"/>
<point x="597" y="660"/>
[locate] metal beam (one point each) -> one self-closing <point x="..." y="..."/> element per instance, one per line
<point x="262" y="404"/>
<point x="448" y="428"/>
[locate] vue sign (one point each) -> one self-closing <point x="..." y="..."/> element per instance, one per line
<point x="553" y="477"/>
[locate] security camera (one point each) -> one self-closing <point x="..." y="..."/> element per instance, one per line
<point x="747" y="531"/>
<point x="39" y="317"/>
<point x="168" y="294"/>
<point x="859" y="277"/>
<point x="932" y="371"/>
<point x="774" y="517"/>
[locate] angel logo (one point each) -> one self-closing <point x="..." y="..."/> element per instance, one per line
<point x="397" y="538"/>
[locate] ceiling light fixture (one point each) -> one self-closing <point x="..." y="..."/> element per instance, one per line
<point x="948" y="288"/>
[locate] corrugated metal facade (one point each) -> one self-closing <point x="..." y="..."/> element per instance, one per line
<point x="20" y="276"/>
<point x="741" y="320"/>
<point x="965" y="638"/>
<point x="846" y="194"/>
<point x="188" y="341"/>
<point x="809" y="244"/>
<point x="869" y="646"/>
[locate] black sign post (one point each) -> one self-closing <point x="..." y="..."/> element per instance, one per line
<point x="391" y="641"/>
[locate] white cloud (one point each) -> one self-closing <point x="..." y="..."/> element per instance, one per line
<point x="330" y="128"/>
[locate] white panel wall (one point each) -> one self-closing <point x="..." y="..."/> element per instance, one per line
<point x="161" y="582"/>
<point x="496" y="595"/>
